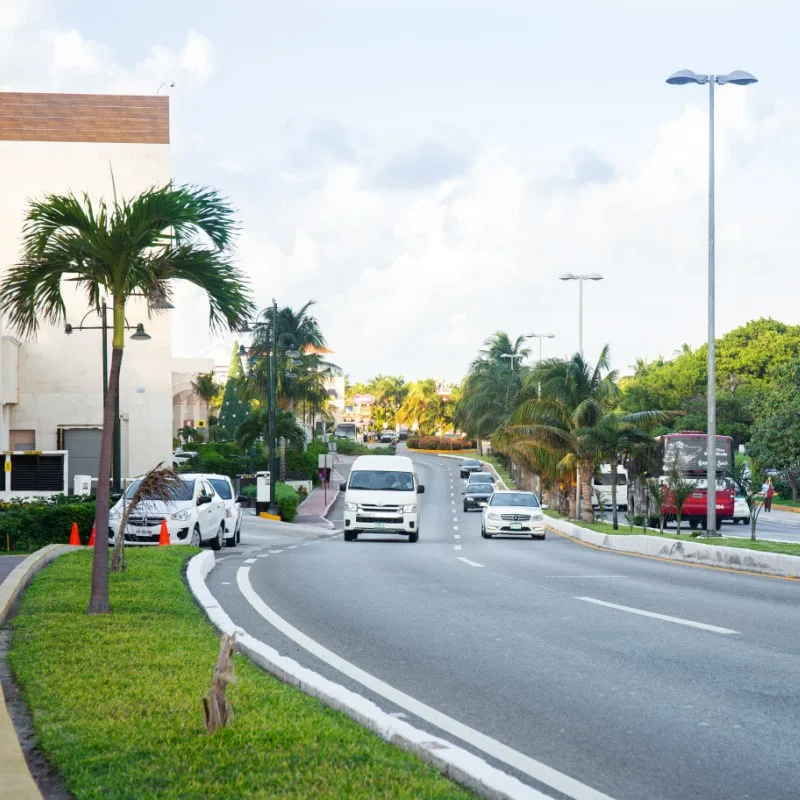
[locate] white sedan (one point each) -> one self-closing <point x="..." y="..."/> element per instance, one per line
<point x="741" y="511"/>
<point x="512" y="513"/>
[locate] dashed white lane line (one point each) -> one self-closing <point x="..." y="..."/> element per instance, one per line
<point x="663" y="617"/>
<point x="226" y="583"/>
<point x="467" y="561"/>
<point x="455" y="528"/>
<point x="536" y="769"/>
<point x="249" y="561"/>
<point x="456" y="535"/>
<point x="292" y="547"/>
<point x="457" y="547"/>
<point x="277" y="551"/>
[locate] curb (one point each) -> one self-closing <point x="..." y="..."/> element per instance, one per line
<point x="452" y="761"/>
<point x="793" y="509"/>
<point x="684" y="552"/>
<point x="500" y="482"/>
<point x="15" y="779"/>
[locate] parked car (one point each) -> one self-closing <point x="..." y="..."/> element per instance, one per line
<point x="477" y="495"/>
<point x="470" y="465"/>
<point x="182" y="457"/>
<point x="223" y="486"/>
<point x="387" y="437"/>
<point x="513" y="513"/>
<point x="195" y="515"/>
<point x="741" y="511"/>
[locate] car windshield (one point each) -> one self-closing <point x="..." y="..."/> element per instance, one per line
<point x="481" y="477"/>
<point x="381" y="480"/>
<point x="182" y="492"/>
<point x="515" y="499"/>
<point x="470" y="462"/>
<point x="604" y="479"/>
<point x="481" y="487"/>
<point x="222" y="488"/>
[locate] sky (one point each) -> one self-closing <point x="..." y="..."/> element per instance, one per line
<point x="426" y="169"/>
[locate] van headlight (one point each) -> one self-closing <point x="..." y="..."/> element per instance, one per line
<point x="351" y="506"/>
<point x="410" y="509"/>
<point x="182" y="516"/>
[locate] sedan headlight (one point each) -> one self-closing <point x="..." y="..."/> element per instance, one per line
<point x="495" y="517"/>
<point x="410" y="509"/>
<point x="538" y="517"/>
<point x="351" y="506"/>
<point x="114" y="513"/>
<point x="182" y="516"/>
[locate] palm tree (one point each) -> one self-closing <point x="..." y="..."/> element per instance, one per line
<point x="438" y="414"/>
<point x="413" y="410"/>
<point x="256" y="426"/>
<point x="130" y="247"/>
<point x="205" y="387"/>
<point x="574" y="396"/>
<point x="617" y="435"/>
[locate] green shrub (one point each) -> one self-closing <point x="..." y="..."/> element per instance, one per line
<point x="438" y="443"/>
<point x="288" y="500"/>
<point x="251" y="490"/>
<point x="28" y="526"/>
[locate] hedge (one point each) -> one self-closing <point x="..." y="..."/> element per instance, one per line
<point x="288" y="500"/>
<point x="438" y="443"/>
<point x="28" y="526"/>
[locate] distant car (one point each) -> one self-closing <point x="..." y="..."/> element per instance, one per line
<point x="386" y="437"/>
<point x="741" y="511"/>
<point x="181" y="458"/>
<point x="480" y="477"/>
<point x="233" y="509"/>
<point x="511" y="513"/>
<point x="470" y="465"/>
<point x="477" y="495"/>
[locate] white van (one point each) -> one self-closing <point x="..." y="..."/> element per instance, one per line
<point x="381" y="497"/>
<point x="601" y="487"/>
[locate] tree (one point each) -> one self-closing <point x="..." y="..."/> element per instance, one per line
<point x="236" y="404"/>
<point x="413" y="410"/>
<point x="256" y="426"/>
<point x="438" y="413"/>
<point x="678" y="489"/>
<point x="655" y="492"/>
<point x="130" y="247"/>
<point x="205" y="387"/>
<point x="748" y="485"/>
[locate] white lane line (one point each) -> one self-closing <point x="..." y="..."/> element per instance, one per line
<point x="276" y="551"/>
<point x="664" y="617"/>
<point x="457" y="547"/>
<point x="249" y="561"/>
<point x="455" y="528"/>
<point x="535" y="769"/>
<point x="292" y="547"/>
<point x="226" y="583"/>
<point x="456" y="535"/>
<point x="582" y="576"/>
<point x="467" y="561"/>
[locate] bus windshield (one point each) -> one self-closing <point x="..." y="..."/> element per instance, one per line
<point x="689" y="453"/>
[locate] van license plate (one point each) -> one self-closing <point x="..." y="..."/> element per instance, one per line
<point x="515" y="526"/>
<point x="380" y="525"/>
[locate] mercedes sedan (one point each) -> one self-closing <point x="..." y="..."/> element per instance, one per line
<point x="511" y="513"/>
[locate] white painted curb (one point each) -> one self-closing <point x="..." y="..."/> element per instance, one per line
<point x="685" y="551"/>
<point x="462" y="766"/>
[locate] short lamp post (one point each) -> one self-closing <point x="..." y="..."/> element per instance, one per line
<point x="738" y="78"/>
<point x="272" y="357"/>
<point x="140" y="335"/>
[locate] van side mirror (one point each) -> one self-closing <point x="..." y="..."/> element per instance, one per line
<point x="420" y="489"/>
<point x="242" y="499"/>
<point x="343" y="486"/>
<point x="203" y="500"/>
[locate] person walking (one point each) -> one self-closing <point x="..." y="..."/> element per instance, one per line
<point x="768" y="494"/>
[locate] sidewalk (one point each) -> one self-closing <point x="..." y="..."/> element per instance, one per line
<point x="316" y="506"/>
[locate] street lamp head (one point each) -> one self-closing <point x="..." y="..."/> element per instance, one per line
<point x="161" y="305"/>
<point x="141" y="335"/>
<point x="686" y="76"/>
<point x="595" y="276"/>
<point x="245" y="328"/>
<point x="68" y="329"/>
<point x="567" y="276"/>
<point x="292" y="354"/>
<point x="738" y="76"/>
<point x="242" y="351"/>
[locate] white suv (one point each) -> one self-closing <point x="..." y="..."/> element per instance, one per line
<point x="195" y="515"/>
<point x="233" y="510"/>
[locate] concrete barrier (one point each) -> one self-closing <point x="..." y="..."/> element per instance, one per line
<point x="686" y="551"/>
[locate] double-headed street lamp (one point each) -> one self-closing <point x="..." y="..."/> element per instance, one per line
<point x="569" y="276"/>
<point x="140" y="335"/>
<point x="272" y="356"/>
<point x="738" y="78"/>
<point x="512" y="357"/>
<point x="540" y="336"/>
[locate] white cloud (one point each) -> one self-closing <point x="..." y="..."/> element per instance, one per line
<point x="71" y="53"/>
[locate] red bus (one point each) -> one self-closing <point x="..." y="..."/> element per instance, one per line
<point x="687" y="452"/>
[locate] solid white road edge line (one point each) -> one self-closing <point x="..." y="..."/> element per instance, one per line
<point x="467" y="561"/>
<point x="677" y="620"/>
<point x="540" y="772"/>
<point x="453" y="761"/>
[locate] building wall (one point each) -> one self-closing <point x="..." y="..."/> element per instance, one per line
<point x="185" y="405"/>
<point x="61" y="143"/>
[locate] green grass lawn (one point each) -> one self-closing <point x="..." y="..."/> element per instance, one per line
<point x="116" y="701"/>
<point x="785" y="501"/>
<point x="788" y="548"/>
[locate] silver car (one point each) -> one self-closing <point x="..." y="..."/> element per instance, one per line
<point x="513" y="513"/>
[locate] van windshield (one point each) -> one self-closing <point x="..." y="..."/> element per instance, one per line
<point x="379" y="480"/>
<point x="604" y="479"/>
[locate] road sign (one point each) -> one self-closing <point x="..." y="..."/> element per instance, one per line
<point x="325" y="460"/>
<point x="332" y="447"/>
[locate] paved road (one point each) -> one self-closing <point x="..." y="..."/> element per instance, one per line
<point x="551" y="648"/>
<point x="7" y="564"/>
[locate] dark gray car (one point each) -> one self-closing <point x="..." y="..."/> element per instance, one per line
<point x="477" y="495"/>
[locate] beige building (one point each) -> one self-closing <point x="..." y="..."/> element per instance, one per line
<point x="188" y="410"/>
<point x="51" y="388"/>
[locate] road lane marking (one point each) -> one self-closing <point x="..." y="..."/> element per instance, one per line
<point x="292" y="547"/>
<point x="467" y="561"/>
<point x="582" y="576"/>
<point x="535" y="769"/>
<point x="457" y="547"/>
<point x="664" y="617"/>
<point x="249" y="561"/>
<point x="455" y="528"/>
<point x="226" y="583"/>
<point x="277" y="551"/>
<point x="456" y="535"/>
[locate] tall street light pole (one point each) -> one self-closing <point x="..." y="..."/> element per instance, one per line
<point x="513" y="357"/>
<point x="540" y="336"/>
<point x="739" y="78"/>
<point x="569" y="276"/>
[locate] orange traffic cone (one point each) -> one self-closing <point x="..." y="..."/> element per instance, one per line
<point x="91" y="536"/>
<point x="163" y="537"/>
<point x="74" y="539"/>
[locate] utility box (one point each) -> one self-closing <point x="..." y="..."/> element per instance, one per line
<point x="263" y="488"/>
<point x="82" y="484"/>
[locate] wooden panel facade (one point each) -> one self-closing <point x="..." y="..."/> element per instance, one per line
<point x="42" y="117"/>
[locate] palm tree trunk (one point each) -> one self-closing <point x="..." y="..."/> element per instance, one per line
<point x="586" y="491"/>
<point x="98" y="601"/>
<point x="283" y="458"/>
<point x="615" y="521"/>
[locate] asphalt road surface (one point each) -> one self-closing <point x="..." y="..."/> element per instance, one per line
<point x="584" y="673"/>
